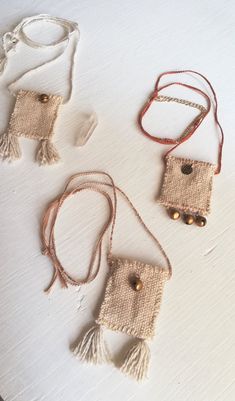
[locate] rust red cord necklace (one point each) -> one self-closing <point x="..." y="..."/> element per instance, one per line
<point x="187" y="184"/>
<point x="195" y="124"/>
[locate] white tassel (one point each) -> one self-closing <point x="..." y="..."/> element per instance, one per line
<point x="92" y="348"/>
<point x="137" y="361"/>
<point x="9" y="147"/>
<point x="47" y="153"/>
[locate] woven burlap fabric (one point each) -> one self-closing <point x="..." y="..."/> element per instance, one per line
<point x="190" y="193"/>
<point x="129" y="311"/>
<point x="32" y="118"/>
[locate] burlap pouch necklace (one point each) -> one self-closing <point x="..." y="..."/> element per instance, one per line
<point x="134" y="288"/>
<point x="187" y="184"/>
<point x="35" y="113"/>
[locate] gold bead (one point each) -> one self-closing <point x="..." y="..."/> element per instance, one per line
<point x="174" y="214"/>
<point x="137" y="284"/>
<point x="201" y="221"/>
<point x="43" y="98"/>
<point x="188" y="219"/>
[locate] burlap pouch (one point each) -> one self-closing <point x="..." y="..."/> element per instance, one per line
<point x="187" y="185"/>
<point x="131" y="304"/>
<point x="33" y="117"/>
<point x="127" y="310"/>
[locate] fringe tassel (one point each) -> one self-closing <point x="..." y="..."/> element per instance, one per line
<point x="92" y="348"/>
<point x="9" y="147"/>
<point x="137" y="361"/>
<point x="47" y="153"/>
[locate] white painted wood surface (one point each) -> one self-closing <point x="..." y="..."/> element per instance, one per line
<point x="124" y="46"/>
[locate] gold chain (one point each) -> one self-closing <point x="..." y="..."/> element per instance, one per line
<point x="162" y="98"/>
<point x="201" y="108"/>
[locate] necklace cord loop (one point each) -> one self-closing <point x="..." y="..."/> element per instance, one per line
<point x="51" y="215"/>
<point x="11" y="39"/>
<point x="195" y="123"/>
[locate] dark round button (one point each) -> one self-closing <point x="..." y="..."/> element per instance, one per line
<point x="43" y="98"/>
<point x="187" y="169"/>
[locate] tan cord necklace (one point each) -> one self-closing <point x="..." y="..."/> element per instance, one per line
<point x="52" y="213"/>
<point x="134" y="288"/>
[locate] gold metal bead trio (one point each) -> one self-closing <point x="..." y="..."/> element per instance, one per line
<point x="188" y="219"/>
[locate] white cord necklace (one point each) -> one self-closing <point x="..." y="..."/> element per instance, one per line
<point x="11" y="39"/>
<point x="35" y="113"/>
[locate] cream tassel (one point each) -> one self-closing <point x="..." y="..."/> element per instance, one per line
<point x="137" y="361"/>
<point x="47" y="153"/>
<point x="9" y="147"/>
<point x="92" y="348"/>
